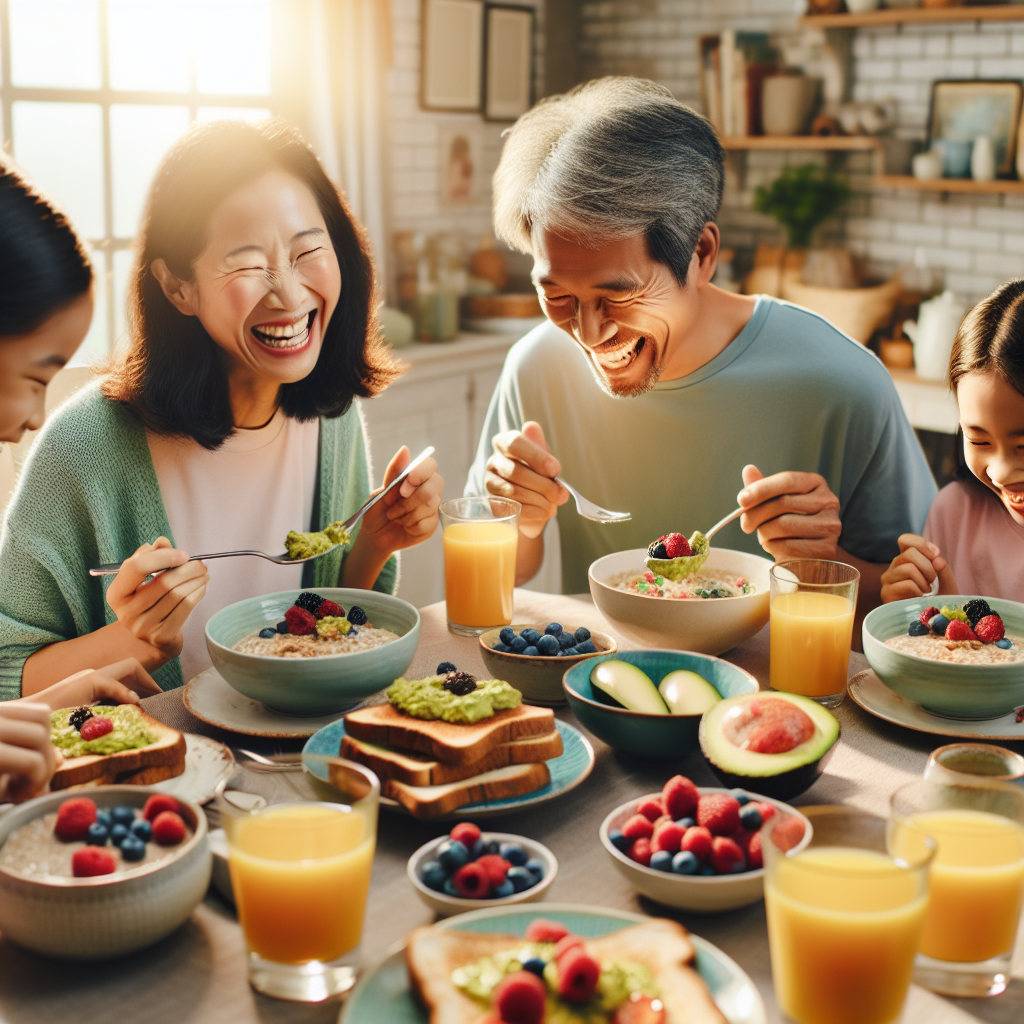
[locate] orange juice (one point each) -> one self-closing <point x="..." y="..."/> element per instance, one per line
<point x="300" y="873"/>
<point x="480" y="572"/>
<point x="810" y="643"/>
<point x="843" y="926"/>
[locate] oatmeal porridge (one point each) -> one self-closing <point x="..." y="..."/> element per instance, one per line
<point x="313" y="645"/>
<point x="697" y="585"/>
<point x="961" y="652"/>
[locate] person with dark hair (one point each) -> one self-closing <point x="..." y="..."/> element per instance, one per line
<point x="973" y="539"/>
<point x="227" y="421"/>
<point x="656" y="392"/>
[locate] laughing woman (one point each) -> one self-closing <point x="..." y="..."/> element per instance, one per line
<point x="227" y="421"/>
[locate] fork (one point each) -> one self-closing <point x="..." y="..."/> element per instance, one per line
<point x="112" y="567"/>
<point x="589" y="510"/>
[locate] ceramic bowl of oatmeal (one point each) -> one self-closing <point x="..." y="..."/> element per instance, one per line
<point x="329" y="669"/>
<point x="45" y="908"/>
<point x="722" y="605"/>
<point x="956" y="679"/>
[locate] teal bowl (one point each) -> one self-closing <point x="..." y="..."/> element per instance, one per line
<point x="312" y="686"/>
<point x="941" y="687"/>
<point x="651" y="737"/>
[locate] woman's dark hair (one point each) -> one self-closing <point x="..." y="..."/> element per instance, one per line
<point x="172" y="373"/>
<point x="43" y="264"/>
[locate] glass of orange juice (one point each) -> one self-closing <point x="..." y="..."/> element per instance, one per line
<point x="811" y="627"/>
<point x="844" y="917"/>
<point x="480" y="540"/>
<point x="300" y="851"/>
<point x="977" y="880"/>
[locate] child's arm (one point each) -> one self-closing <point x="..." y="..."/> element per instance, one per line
<point x="27" y="758"/>
<point x="915" y="569"/>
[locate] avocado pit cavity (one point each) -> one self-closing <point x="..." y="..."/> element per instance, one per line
<point x="767" y="725"/>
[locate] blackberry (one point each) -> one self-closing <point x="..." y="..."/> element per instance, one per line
<point x="658" y="550"/>
<point x="356" y="616"/>
<point x="445" y="667"/>
<point x="460" y="683"/>
<point x="976" y="610"/>
<point x="309" y="601"/>
<point x="79" y="717"/>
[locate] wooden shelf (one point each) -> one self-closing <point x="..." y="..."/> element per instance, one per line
<point x="964" y="185"/>
<point x="915" y="16"/>
<point x="817" y="142"/>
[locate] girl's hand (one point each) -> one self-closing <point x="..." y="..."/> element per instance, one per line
<point x="915" y="569"/>
<point x="408" y="515"/>
<point x="125" y="681"/>
<point x="27" y="758"/>
<point x="155" y="611"/>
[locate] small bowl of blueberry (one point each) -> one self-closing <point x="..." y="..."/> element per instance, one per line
<point x="533" y="659"/>
<point x="469" y="870"/>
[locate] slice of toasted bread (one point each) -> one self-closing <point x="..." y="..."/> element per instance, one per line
<point x="499" y="784"/>
<point x="660" y="945"/>
<point x="450" y="743"/>
<point x="423" y="770"/>
<point x="144" y="766"/>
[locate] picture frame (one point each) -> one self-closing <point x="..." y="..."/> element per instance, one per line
<point x="508" y="61"/>
<point x="461" y="148"/>
<point x="451" y="76"/>
<point x="963" y="109"/>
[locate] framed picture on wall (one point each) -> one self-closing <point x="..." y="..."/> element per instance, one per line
<point x="460" y="162"/>
<point x="508" y="62"/>
<point x="452" y="54"/>
<point x="963" y="110"/>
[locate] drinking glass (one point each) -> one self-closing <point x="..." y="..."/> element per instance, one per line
<point x="977" y="880"/>
<point x="480" y="539"/>
<point x="844" y="916"/>
<point x="811" y="627"/>
<point x="300" y="855"/>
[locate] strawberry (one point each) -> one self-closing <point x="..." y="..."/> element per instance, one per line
<point x="157" y="803"/>
<point x="465" y="832"/>
<point x="726" y="857"/>
<point x="74" y="818"/>
<point x="928" y="614"/>
<point x="564" y="944"/>
<point x="91" y="860"/>
<point x="668" y="837"/>
<point x="638" y="827"/>
<point x="300" y="622"/>
<point x="788" y="833"/>
<point x="697" y="841"/>
<point x="168" y="828"/>
<point x="519" y="998"/>
<point x="677" y="546"/>
<point x="680" y="797"/>
<point x="767" y="810"/>
<point x="990" y="629"/>
<point x="719" y="813"/>
<point x="577" y="975"/>
<point x="755" y="859"/>
<point x="651" y="809"/>
<point x="543" y="930"/>
<point x="956" y="630"/>
<point x="640" y="851"/>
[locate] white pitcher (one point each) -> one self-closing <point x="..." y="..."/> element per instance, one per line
<point x="937" y="322"/>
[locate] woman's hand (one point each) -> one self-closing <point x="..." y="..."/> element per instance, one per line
<point x="27" y="757"/>
<point x="915" y="569"/>
<point x="408" y="515"/>
<point x="155" y="610"/>
<point x="125" y="681"/>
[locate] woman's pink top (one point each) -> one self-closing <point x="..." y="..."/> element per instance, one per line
<point x="979" y="538"/>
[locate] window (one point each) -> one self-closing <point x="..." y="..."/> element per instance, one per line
<point x="94" y="92"/>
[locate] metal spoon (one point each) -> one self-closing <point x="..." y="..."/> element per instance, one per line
<point x="112" y="567"/>
<point x="589" y="510"/>
<point x="700" y="544"/>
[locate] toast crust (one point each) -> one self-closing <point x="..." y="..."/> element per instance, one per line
<point x="427" y="802"/>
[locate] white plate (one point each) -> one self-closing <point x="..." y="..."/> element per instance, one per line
<point x="207" y="763"/>
<point x="213" y="701"/>
<point x="870" y="693"/>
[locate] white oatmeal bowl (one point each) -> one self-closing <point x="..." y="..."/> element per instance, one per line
<point x="707" y="625"/>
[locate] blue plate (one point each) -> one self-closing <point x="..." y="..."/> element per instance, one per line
<point x="567" y="771"/>
<point x="383" y="993"/>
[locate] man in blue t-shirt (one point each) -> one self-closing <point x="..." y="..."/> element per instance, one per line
<point x="656" y="392"/>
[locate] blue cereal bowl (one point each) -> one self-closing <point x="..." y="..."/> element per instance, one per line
<point x="651" y="737"/>
<point x="942" y="687"/>
<point x="312" y="686"/>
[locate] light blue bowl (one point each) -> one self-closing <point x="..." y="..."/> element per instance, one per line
<point x="312" y="686"/>
<point x="652" y="737"/>
<point x="943" y="688"/>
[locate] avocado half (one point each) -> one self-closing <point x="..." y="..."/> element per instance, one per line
<point x="781" y="776"/>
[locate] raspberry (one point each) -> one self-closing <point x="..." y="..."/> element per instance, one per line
<point x="726" y="856"/>
<point x="309" y="601"/>
<point x="697" y="841"/>
<point x="788" y="833"/>
<point x="767" y="810"/>
<point x="754" y="857"/>
<point x="300" y="621"/>
<point x="651" y="809"/>
<point x="95" y="727"/>
<point x="927" y="615"/>
<point x="168" y="828"/>
<point x="74" y="818"/>
<point x="495" y="867"/>
<point x="159" y="802"/>
<point x="680" y="797"/>
<point x="329" y="608"/>
<point x="577" y="976"/>
<point x="990" y="629"/>
<point x="91" y="860"/>
<point x="564" y="944"/>
<point x="719" y="813"/>
<point x="975" y="611"/>
<point x="638" y="827"/>
<point x="677" y="546"/>
<point x="543" y="930"/>
<point x="640" y="851"/>
<point x="957" y="630"/>
<point x="519" y="998"/>
<point x="466" y="833"/>
<point x="668" y="838"/>
<point x="472" y="881"/>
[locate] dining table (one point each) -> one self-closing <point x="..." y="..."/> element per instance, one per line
<point x="198" y="973"/>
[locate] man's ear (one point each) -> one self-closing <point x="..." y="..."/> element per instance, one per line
<point x="179" y="293"/>
<point x="706" y="252"/>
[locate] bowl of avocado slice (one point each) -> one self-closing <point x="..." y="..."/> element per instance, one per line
<point x="649" y="704"/>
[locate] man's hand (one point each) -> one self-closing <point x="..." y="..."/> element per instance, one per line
<point x="522" y="468"/>
<point x="124" y="681"/>
<point x="915" y="569"/>
<point x="795" y="514"/>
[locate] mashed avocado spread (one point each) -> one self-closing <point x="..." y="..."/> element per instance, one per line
<point x="128" y="734"/>
<point x="617" y="982"/>
<point x="305" y="545"/>
<point x="332" y="626"/>
<point x="427" y="698"/>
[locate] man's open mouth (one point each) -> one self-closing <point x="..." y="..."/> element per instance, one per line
<point x="285" y="336"/>
<point x="618" y="356"/>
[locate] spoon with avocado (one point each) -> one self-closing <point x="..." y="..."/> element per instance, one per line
<point x="675" y="557"/>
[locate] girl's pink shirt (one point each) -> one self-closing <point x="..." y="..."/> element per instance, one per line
<point x="982" y="542"/>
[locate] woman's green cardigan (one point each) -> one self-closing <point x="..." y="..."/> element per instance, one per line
<point x="89" y="494"/>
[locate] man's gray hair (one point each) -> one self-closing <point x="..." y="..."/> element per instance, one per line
<point x="613" y="158"/>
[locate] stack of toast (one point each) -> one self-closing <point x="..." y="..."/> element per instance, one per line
<point x="434" y="767"/>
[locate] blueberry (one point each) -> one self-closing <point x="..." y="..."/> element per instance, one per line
<point x="566" y="640"/>
<point x="513" y="853"/>
<point x="434" y="876"/>
<point x="531" y="636"/>
<point x="531" y="652"/>
<point x="356" y="616"/>
<point x="685" y="863"/>
<point x="507" y="635"/>
<point x="938" y="623"/>
<point x="132" y="847"/>
<point x="282" y="626"/>
<point x="918" y="628"/>
<point x="739" y="796"/>
<point x="686" y="822"/>
<point x="123" y="815"/>
<point x="502" y="648"/>
<point x="119" y="833"/>
<point x="518" y="645"/>
<point x="445" y="667"/>
<point x="1004" y="643"/>
<point x="268" y="633"/>
<point x="548" y="645"/>
<point x="492" y="846"/>
<point x="536" y="868"/>
<point x="619" y="841"/>
<point x="449" y="888"/>
<point x="477" y="850"/>
<point x="97" y="834"/>
<point x="569" y="652"/>
<point x="453" y="855"/>
<point x="707" y="870"/>
<point x="582" y="634"/>
<point x="553" y="629"/>
<point x="507" y="888"/>
<point x="662" y="861"/>
<point x="352" y="632"/>
<point x="587" y="647"/>
<point x="521" y="879"/>
<point x="142" y="830"/>
<point x="534" y="965"/>
<point x="103" y="818"/>
<point x="750" y="818"/>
